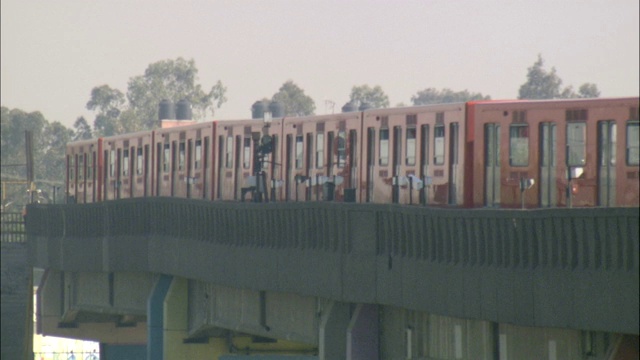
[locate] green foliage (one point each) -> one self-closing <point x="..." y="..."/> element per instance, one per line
<point x="108" y="103"/>
<point x="374" y="97"/>
<point x="445" y="96"/>
<point x="543" y="84"/>
<point x="174" y="80"/>
<point x="294" y="100"/>
<point x="82" y="129"/>
<point x="49" y="142"/>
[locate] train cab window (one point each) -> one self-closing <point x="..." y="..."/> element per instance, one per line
<point x="166" y="157"/>
<point x="519" y="145"/>
<point x="139" y="162"/>
<point x="112" y="163"/>
<point x="633" y="143"/>
<point x="342" y="148"/>
<point x="438" y="145"/>
<point x="384" y="147"/>
<point x="411" y="147"/>
<point x="319" y="150"/>
<point x="198" y="154"/>
<point x="228" y="156"/>
<point x="299" y="151"/>
<point x="246" y="153"/>
<point x="125" y="162"/>
<point x="181" y="155"/>
<point x="576" y="144"/>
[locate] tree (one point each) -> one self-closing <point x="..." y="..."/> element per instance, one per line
<point x="108" y="103"/>
<point x="541" y="84"/>
<point x="51" y="166"/>
<point x="82" y="129"/>
<point x="174" y="80"/>
<point x="433" y="96"/>
<point x="374" y="97"/>
<point x="294" y="100"/>
<point x="588" y="90"/>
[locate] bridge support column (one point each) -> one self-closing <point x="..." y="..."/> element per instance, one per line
<point x="332" y="341"/>
<point x="168" y="325"/>
<point x="362" y="333"/>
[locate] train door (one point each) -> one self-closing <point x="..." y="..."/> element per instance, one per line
<point x="236" y="167"/>
<point x="145" y="170"/>
<point x="118" y="183"/>
<point x="221" y="165"/>
<point x="174" y="167"/>
<point x="353" y="160"/>
<point x="205" y="168"/>
<point x="105" y="175"/>
<point x="309" y="165"/>
<point x="492" y="164"/>
<point x="189" y="179"/>
<point x="396" y="158"/>
<point x="607" y="163"/>
<point x="454" y="143"/>
<point x="94" y="176"/>
<point x="424" y="163"/>
<point x="288" y="165"/>
<point x="548" y="188"/>
<point x="371" y="149"/>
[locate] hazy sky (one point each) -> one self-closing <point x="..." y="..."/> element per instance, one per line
<point x="55" y="52"/>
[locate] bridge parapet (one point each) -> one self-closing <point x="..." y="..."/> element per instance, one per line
<point x="575" y="268"/>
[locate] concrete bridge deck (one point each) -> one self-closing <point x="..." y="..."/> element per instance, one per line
<point x="553" y="268"/>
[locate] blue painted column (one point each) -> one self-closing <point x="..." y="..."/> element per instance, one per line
<point x="155" y="318"/>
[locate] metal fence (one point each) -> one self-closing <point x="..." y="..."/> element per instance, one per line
<point x="12" y="227"/>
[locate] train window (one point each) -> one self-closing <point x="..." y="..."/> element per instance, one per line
<point x="576" y="144"/>
<point x="198" y="154"/>
<point x="438" y="146"/>
<point x="342" y="148"/>
<point x="181" y="155"/>
<point x="80" y="167"/>
<point x="319" y="150"/>
<point x="384" y="147"/>
<point x="228" y="158"/>
<point x="246" y="153"/>
<point x="519" y="145"/>
<point x="167" y="157"/>
<point x="112" y="163"/>
<point x="71" y="167"/>
<point x="411" y="147"/>
<point x="139" y="162"/>
<point x="633" y="143"/>
<point x="125" y="162"/>
<point x="90" y="166"/>
<point x="299" y="151"/>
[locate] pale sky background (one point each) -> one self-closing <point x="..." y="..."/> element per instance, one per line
<point x="55" y="52"/>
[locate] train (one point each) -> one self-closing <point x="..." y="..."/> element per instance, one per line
<point x="476" y="154"/>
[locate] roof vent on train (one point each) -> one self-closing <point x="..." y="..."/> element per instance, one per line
<point x="364" y="106"/>
<point x="257" y="110"/>
<point x="183" y="110"/>
<point x="349" y="107"/>
<point x="277" y="109"/>
<point x="167" y="110"/>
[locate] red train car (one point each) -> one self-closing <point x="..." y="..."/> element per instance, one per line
<point x="413" y="155"/>
<point x="126" y="170"/>
<point x="84" y="171"/>
<point x="520" y="153"/>
<point x="320" y="157"/>
<point x="235" y="162"/>
<point x="581" y="152"/>
<point x="183" y="161"/>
